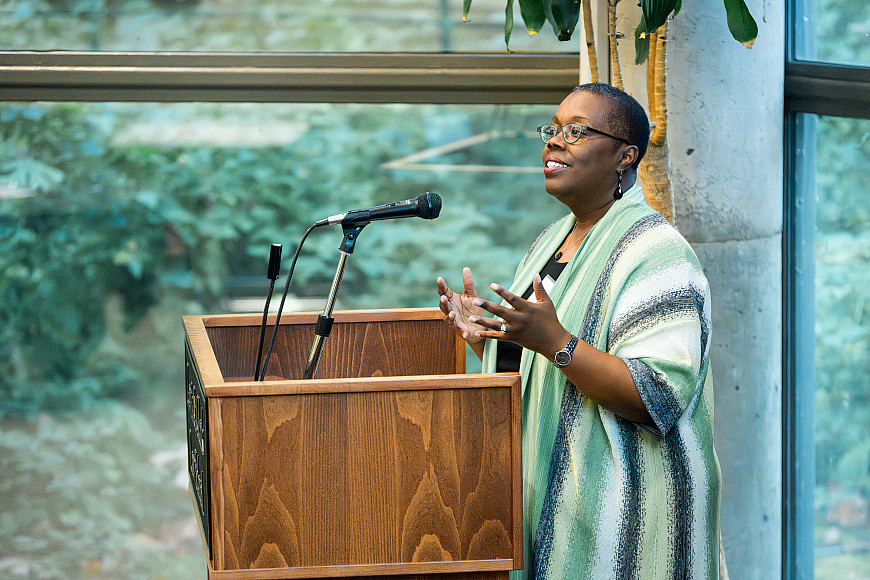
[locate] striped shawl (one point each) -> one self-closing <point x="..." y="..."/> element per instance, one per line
<point x="603" y="497"/>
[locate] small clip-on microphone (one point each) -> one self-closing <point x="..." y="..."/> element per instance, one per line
<point x="272" y="275"/>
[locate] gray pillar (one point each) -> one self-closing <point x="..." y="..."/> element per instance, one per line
<point x="726" y="136"/>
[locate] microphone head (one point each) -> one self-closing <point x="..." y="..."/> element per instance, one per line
<point x="274" y="262"/>
<point x="429" y="205"/>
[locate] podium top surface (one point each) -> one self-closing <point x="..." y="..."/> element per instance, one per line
<point x="367" y="350"/>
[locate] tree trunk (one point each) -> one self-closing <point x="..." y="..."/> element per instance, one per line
<point x="615" y="68"/>
<point x="590" y="40"/>
<point x="655" y="169"/>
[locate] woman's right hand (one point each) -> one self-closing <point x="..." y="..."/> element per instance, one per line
<point x="457" y="309"/>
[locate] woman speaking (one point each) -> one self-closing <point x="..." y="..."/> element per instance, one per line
<point x="608" y="324"/>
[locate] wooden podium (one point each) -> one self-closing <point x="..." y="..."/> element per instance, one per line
<point x="391" y="462"/>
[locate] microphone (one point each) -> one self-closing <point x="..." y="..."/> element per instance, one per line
<point x="426" y="206"/>
<point x="274" y="262"/>
<point x="272" y="275"/>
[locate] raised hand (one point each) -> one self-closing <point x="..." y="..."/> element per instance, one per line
<point x="532" y="325"/>
<point x="459" y="309"/>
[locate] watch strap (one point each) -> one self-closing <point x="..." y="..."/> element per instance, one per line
<point x="563" y="357"/>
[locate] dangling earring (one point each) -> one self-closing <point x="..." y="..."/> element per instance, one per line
<point x="618" y="193"/>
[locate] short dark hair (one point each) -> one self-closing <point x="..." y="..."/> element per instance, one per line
<point x="626" y="117"/>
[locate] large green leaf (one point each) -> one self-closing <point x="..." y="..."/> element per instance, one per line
<point x="740" y="22"/>
<point x="641" y="42"/>
<point x="656" y="12"/>
<point x="534" y="14"/>
<point x="508" y="21"/>
<point x="31" y="174"/>
<point x="564" y="15"/>
<point x="466" y="6"/>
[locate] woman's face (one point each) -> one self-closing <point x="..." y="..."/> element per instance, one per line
<point x="584" y="172"/>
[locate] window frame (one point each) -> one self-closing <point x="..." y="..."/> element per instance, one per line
<point x="820" y="88"/>
<point x="460" y="78"/>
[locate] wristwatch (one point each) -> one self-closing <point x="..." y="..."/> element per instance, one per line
<point x="563" y="357"/>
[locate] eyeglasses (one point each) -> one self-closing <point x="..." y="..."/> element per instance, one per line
<point x="573" y="132"/>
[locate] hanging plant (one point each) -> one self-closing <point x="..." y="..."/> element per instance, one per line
<point x="563" y="16"/>
<point x="650" y="46"/>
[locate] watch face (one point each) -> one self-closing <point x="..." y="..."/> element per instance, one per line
<point x="562" y="358"/>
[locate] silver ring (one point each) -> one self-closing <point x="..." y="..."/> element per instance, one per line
<point x="503" y="327"/>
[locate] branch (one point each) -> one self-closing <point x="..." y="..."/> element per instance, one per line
<point x="660" y="85"/>
<point x="615" y="68"/>
<point x="653" y="40"/>
<point x="590" y="39"/>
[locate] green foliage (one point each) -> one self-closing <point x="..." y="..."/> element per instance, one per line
<point x="842" y="403"/>
<point x="534" y="15"/>
<point x="841" y="28"/>
<point x="118" y="238"/>
<point x="95" y="495"/>
<point x="252" y="26"/>
<point x="740" y="22"/>
<point x="55" y="266"/>
<point x="656" y="13"/>
<point x="563" y="15"/>
<point x="641" y="42"/>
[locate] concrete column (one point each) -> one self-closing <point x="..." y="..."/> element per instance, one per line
<point x="726" y="136"/>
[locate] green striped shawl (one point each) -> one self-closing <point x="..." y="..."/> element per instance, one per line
<point x="604" y="497"/>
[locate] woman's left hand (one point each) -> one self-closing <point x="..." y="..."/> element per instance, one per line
<point x="532" y="325"/>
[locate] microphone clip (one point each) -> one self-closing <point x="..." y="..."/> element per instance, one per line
<point x="351" y="233"/>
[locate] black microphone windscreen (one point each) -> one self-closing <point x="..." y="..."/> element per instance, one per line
<point x="430" y="205"/>
<point x="274" y="262"/>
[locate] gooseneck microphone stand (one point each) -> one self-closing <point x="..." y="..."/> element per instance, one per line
<point x="426" y="206"/>
<point x="324" y="322"/>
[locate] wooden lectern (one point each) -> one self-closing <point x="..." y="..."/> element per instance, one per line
<point x="391" y="462"/>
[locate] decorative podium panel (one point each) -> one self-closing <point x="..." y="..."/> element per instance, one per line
<point x="390" y="462"/>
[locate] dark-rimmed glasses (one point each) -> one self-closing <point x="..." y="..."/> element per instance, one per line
<point x="573" y="132"/>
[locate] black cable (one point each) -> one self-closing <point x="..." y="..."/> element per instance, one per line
<point x="263" y="329"/>
<point x="283" y="298"/>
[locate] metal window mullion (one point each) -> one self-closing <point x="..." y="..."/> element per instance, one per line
<point x="827" y="89"/>
<point x="799" y="348"/>
<point x="811" y="88"/>
<point x="413" y="78"/>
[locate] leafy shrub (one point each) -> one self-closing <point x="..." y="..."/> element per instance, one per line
<point x="117" y="239"/>
<point x="842" y="403"/>
<point x="100" y="494"/>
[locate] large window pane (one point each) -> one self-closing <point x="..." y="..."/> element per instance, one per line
<point x="835" y="31"/>
<point x="842" y="359"/>
<point x="116" y="219"/>
<point x="265" y="25"/>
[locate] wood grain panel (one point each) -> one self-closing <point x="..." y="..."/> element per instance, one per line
<point x="198" y="340"/>
<point x="392" y="462"/>
<point x="337" y="572"/>
<point x="354" y="385"/>
<point x="364" y="478"/>
<point x="357" y="347"/>
<point x="341" y="316"/>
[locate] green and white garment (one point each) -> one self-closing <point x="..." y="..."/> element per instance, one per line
<point x="604" y="497"/>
